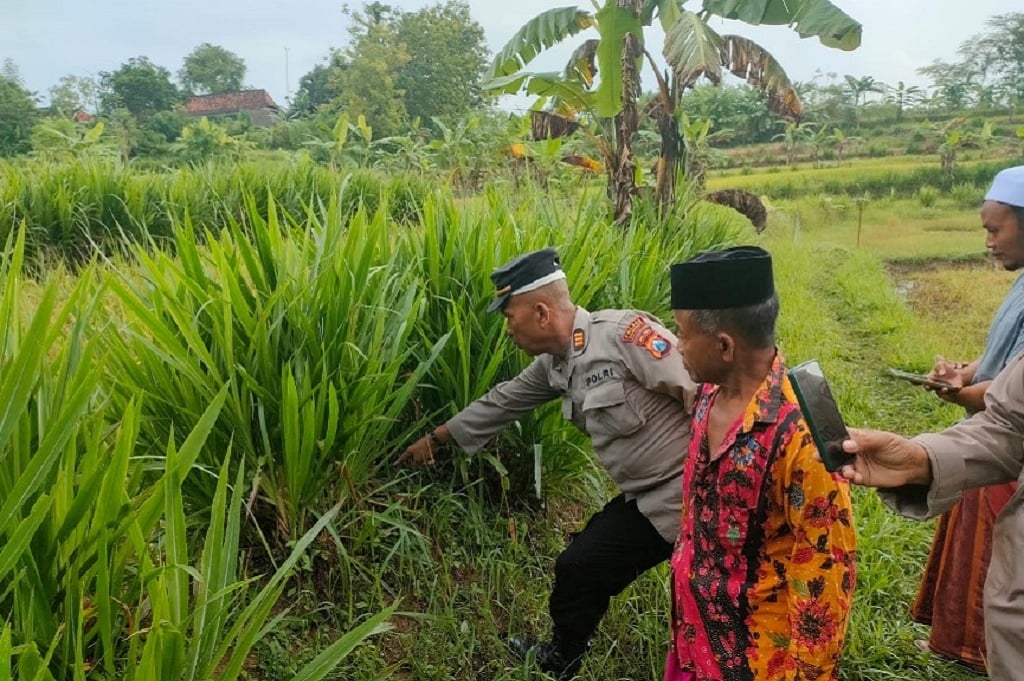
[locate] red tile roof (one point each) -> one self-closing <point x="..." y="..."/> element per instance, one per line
<point x="229" y="102"/>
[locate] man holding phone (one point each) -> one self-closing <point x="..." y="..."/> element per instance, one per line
<point x="924" y="476"/>
<point x="951" y="593"/>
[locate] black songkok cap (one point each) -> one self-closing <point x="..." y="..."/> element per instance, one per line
<point x="720" y="280"/>
<point x="525" y="273"/>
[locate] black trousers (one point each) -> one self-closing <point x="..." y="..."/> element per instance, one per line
<point x="617" y="545"/>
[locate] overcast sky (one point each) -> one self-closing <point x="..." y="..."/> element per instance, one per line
<point x="280" y="40"/>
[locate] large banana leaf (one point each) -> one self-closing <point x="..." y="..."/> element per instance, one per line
<point x="748" y="60"/>
<point x="582" y="65"/>
<point x="819" y="18"/>
<point x="538" y="34"/>
<point x="550" y="84"/>
<point x="668" y="11"/>
<point x="693" y="50"/>
<point x="614" y="23"/>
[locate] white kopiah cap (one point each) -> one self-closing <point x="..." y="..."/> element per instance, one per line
<point x="1008" y="187"/>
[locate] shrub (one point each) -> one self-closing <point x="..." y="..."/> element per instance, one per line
<point x="927" y="196"/>
<point x="966" y="194"/>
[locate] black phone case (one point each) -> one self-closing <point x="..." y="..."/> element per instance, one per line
<point x="821" y="413"/>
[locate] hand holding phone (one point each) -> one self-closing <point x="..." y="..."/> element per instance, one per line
<point x="821" y="413"/>
<point x="923" y="379"/>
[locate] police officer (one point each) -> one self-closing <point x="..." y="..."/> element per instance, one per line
<point x="621" y="381"/>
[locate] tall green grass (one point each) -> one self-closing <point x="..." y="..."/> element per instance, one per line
<point x="100" y="578"/>
<point x="459" y="244"/>
<point x="74" y="209"/>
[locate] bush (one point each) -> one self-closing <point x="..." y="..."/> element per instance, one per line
<point x="927" y="196"/>
<point x="966" y="194"/>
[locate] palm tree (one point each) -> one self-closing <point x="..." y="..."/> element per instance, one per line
<point x="904" y="96"/>
<point x="860" y="87"/>
<point x="692" y="50"/>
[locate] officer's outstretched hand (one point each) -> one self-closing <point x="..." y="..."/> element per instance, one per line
<point x="419" y="453"/>
<point x="882" y="459"/>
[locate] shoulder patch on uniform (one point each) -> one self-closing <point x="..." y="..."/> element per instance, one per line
<point x="659" y="346"/>
<point x="638" y="324"/>
<point x="645" y="335"/>
<point x="579" y="339"/>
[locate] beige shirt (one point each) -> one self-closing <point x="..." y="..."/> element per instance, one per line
<point x="623" y="384"/>
<point x="985" y="449"/>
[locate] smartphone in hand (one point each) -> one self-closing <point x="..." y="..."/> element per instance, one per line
<point x="922" y="379"/>
<point x="821" y="413"/>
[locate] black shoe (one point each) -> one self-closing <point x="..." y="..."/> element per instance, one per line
<point x="553" y="657"/>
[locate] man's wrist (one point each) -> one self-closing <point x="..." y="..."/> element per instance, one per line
<point x="922" y="474"/>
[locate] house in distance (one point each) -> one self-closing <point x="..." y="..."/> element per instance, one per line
<point x="256" y="104"/>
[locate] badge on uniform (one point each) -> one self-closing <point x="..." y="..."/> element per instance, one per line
<point x="635" y="327"/>
<point x="640" y="332"/>
<point x="579" y="339"/>
<point x="658" y="346"/>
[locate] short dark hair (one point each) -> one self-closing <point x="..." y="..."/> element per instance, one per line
<point x="1019" y="212"/>
<point x="754" y="323"/>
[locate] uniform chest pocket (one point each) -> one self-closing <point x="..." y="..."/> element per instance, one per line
<point x="609" y="413"/>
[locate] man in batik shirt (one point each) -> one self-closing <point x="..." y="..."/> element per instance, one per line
<point x="763" y="570"/>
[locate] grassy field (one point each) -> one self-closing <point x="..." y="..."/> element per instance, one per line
<point x="868" y="177"/>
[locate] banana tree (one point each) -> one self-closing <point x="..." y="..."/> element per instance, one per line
<point x="793" y="138"/>
<point x="692" y="50"/>
<point x="954" y="137"/>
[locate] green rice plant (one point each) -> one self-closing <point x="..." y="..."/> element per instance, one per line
<point x="311" y="328"/>
<point x="900" y="177"/>
<point x="97" y="572"/>
<point x="93" y="205"/>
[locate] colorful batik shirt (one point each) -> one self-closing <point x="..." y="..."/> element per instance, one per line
<point x="763" y="570"/>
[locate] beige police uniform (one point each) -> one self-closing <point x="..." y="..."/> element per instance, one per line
<point x="623" y="384"/>
<point x="985" y="449"/>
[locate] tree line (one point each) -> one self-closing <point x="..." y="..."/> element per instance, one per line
<point x="398" y="66"/>
<point x="407" y="73"/>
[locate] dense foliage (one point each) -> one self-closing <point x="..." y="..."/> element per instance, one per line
<point x="276" y="360"/>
